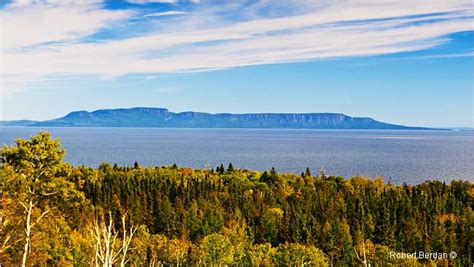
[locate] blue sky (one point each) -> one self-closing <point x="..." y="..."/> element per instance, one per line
<point x="407" y="62"/>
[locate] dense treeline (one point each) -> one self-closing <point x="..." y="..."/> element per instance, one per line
<point x="64" y="215"/>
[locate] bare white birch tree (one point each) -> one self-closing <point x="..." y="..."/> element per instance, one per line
<point x="362" y="259"/>
<point x="109" y="248"/>
<point x="126" y="240"/>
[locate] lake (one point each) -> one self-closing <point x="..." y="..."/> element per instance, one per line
<point x="402" y="156"/>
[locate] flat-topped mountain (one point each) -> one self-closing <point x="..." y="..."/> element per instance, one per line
<point x="161" y="117"/>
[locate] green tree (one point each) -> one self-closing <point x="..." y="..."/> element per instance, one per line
<point x="221" y="169"/>
<point x="262" y="255"/>
<point x="230" y="168"/>
<point x="293" y="254"/>
<point x="269" y="224"/>
<point x="216" y="249"/>
<point x="35" y="179"/>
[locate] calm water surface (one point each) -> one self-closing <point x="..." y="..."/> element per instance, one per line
<point x="403" y="156"/>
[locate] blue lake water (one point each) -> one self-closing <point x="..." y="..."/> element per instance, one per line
<point x="402" y="156"/>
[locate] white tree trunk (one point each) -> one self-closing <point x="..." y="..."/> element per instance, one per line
<point x="126" y="241"/>
<point x="364" y="260"/>
<point x="106" y="251"/>
<point x="28" y="233"/>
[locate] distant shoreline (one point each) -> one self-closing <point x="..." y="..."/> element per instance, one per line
<point x="239" y="128"/>
<point x="151" y="117"/>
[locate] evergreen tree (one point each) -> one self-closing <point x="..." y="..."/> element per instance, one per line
<point x="221" y="169"/>
<point x="230" y="168"/>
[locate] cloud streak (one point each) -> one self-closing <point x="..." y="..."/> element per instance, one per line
<point x="340" y="29"/>
<point x="160" y="1"/>
<point x="166" y="13"/>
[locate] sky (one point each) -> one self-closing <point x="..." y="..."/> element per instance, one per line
<point x="404" y="62"/>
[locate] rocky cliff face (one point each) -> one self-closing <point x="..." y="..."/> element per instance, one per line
<point x="161" y="117"/>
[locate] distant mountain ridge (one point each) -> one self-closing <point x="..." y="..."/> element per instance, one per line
<point x="17" y="123"/>
<point x="162" y="118"/>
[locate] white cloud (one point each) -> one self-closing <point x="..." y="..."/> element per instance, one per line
<point x="169" y="89"/>
<point x="27" y="23"/>
<point x="166" y="13"/>
<point x="160" y="1"/>
<point x="468" y="54"/>
<point x="205" y="40"/>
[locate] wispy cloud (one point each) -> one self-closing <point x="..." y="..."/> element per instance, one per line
<point x="455" y="55"/>
<point x="28" y="23"/>
<point x="169" y="89"/>
<point x="43" y="40"/>
<point x="160" y="1"/>
<point x="166" y="13"/>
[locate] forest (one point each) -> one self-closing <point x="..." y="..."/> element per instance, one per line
<point x="56" y="214"/>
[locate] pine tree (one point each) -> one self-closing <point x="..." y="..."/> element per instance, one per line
<point x="221" y="169"/>
<point x="230" y="168"/>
